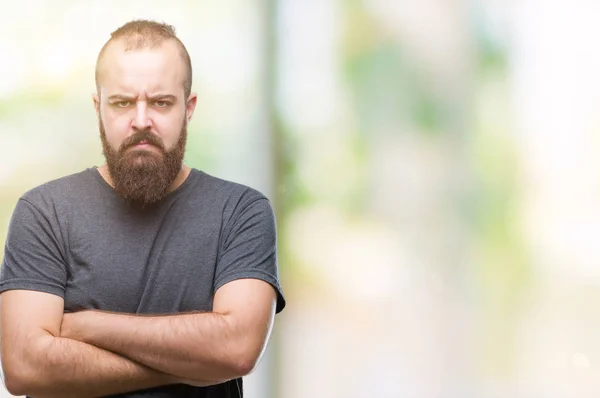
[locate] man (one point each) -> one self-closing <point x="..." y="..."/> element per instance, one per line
<point x="142" y="277"/>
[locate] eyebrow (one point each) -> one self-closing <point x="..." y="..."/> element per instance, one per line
<point x="157" y="97"/>
<point x="162" y="97"/>
<point x="120" y="97"/>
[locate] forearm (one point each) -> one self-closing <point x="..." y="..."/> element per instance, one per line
<point x="192" y="346"/>
<point x="60" y="367"/>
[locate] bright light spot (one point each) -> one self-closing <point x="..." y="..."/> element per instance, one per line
<point x="57" y="62"/>
<point x="10" y="151"/>
<point x="580" y="361"/>
<point x="308" y="59"/>
<point x="12" y="68"/>
<point x="359" y="259"/>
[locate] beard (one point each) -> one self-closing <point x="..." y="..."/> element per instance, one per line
<point x="143" y="176"/>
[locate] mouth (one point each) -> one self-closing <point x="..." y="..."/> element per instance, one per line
<point x="141" y="145"/>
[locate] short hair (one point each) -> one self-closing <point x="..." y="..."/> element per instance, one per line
<point x="138" y="34"/>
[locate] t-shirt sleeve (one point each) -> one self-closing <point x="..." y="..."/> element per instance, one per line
<point x="33" y="259"/>
<point x="249" y="248"/>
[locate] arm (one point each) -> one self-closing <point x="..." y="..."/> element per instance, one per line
<point x="224" y="344"/>
<point x="36" y="362"/>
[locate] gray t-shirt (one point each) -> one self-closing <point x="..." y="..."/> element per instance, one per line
<point x="76" y="238"/>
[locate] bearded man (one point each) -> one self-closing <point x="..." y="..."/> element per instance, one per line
<point x="142" y="277"/>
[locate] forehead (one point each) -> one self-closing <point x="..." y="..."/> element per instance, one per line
<point x="150" y="69"/>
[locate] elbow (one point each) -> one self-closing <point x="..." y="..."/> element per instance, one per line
<point x="22" y="381"/>
<point x="14" y="387"/>
<point x="242" y="367"/>
<point x="231" y="365"/>
<point x="22" y="373"/>
<point x="245" y="361"/>
<point x="17" y="378"/>
<point x="225" y="369"/>
<point x="248" y="352"/>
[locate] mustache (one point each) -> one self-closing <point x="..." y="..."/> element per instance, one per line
<point x="142" y="136"/>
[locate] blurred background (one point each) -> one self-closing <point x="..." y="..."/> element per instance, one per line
<point x="434" y="165"/>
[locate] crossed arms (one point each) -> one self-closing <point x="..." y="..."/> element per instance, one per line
<point x="46" y="353"/>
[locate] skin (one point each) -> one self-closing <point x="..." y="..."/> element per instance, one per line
<point x="143" y="89"/>
<point x="46" y="353"/>
<point x="220" y="345"/>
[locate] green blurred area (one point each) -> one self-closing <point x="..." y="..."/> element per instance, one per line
<point x="385" y="145"/>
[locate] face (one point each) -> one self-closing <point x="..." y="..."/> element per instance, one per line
<point x="143" y="117"/>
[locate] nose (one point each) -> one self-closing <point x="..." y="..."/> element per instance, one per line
<point x="141" y="120"/>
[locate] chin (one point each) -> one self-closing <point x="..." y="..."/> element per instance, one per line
<point x="142" y="157"/>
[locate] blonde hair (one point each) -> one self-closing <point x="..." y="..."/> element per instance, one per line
<point x="139" y="34"/>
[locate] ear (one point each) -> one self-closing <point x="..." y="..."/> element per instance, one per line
<point x="96" y="100"/>
<point x="190" y="106"/>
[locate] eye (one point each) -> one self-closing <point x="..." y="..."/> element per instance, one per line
<point x="122" y="104"/>
<point x="162" y="104"/>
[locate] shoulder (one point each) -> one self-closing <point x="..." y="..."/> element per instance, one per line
<point x="233" y="199"/>
<point x="232" y="193"/>
<point x="59" y="190"/>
